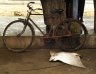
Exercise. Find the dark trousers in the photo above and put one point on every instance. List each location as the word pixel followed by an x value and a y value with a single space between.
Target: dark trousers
pixel 81 5
pixel 69 4
pixel 80 8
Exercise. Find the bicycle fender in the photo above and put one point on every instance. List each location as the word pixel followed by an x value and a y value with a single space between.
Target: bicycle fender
pixel 21 19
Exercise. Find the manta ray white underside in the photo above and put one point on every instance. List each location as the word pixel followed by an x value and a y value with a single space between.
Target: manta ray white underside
pixel 66 57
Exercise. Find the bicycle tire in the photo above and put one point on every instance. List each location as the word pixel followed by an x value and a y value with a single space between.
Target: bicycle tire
pixel 70 42
pixel 17 43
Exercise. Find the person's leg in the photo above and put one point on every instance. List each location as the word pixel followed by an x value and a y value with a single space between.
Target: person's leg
pixel 81 9
pixel 75 9
pixel 48 28
pixel 69 8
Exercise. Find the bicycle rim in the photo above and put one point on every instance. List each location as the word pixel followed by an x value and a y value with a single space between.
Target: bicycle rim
pixel 17 43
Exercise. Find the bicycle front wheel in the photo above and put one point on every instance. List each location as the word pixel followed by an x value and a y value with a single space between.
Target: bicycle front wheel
pixel 72 34
pixel 16 38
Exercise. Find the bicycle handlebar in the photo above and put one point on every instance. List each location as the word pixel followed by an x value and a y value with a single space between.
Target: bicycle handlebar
pixel 29 5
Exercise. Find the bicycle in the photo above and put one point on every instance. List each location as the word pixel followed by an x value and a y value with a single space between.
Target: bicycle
pixel 59 33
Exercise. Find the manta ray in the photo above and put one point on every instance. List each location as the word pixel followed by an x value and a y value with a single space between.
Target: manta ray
pixel 68 58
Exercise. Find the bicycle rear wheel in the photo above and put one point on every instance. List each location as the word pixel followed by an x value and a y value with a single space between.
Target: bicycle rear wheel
pixel 15 42
pixel 72 35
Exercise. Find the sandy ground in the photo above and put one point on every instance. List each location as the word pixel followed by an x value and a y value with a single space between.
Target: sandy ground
pixel 35 61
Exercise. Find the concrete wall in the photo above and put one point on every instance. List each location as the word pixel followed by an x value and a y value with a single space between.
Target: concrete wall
pixel 39 43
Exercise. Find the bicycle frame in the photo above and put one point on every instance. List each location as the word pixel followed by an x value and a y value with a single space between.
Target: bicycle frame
pixel 27 21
